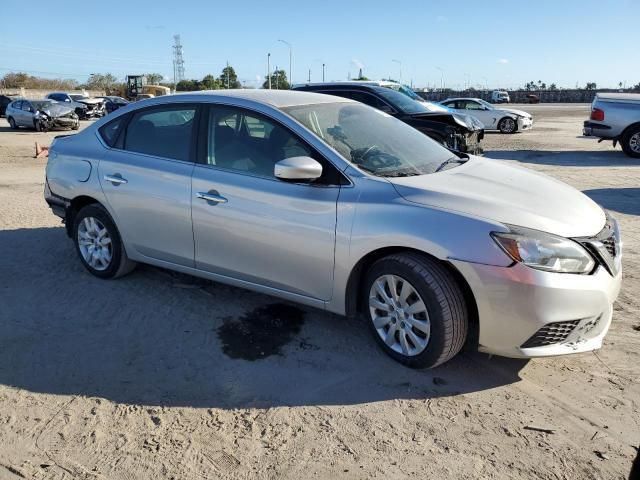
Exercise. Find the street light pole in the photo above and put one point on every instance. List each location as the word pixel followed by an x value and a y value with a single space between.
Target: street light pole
pixel 290 60
pixel 323 73
pixel 400 65
pixel 269 69
pixel 441 78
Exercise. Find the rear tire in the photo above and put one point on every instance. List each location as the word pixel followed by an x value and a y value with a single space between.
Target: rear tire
pixel 12 123
pixel 630 142
pixel 430 338
pixel 98 243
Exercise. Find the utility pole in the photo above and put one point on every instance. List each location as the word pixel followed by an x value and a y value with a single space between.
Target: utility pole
pixel 290 60
pixel 309 79
pixel 277 78
pixel 323 73
pixel 178 60
pixel 269 69
pixel 227 74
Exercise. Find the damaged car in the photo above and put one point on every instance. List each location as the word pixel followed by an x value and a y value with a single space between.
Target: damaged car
pixel 461 133
pixel 41 115
pixel 85 107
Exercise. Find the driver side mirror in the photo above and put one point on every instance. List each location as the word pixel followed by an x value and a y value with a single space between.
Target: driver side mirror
pixel 298 168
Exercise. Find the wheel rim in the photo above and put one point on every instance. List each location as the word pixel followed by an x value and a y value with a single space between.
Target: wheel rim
pixel 634 142
pixel 95 243
pixel 399 315
pixel 508 125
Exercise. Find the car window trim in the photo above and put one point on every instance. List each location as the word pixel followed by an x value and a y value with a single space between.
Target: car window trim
pixel 335 92
pixel 203 146
pixel 120 139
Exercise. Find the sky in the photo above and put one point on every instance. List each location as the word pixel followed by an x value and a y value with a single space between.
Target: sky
pixel 429 43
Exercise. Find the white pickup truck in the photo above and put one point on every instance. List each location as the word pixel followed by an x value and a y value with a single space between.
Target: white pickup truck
pixel 616 116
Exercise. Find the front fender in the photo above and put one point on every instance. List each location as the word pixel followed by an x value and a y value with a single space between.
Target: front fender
pixel 372 216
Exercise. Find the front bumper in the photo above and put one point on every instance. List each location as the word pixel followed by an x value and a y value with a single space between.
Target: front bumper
pixel 467 142
pixel 524 123
pixel 515 303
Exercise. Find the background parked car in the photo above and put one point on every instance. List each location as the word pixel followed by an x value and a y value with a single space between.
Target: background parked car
pixel 41 115
pixel 85 107
pixel 507 120
pixel 6 100
pixel 531 98
pixel 458 132
pixel 112 103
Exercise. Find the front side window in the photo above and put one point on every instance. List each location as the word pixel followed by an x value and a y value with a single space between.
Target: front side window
pixel 250 143
pixel 471 105
pixel 372 140
pixel 162 132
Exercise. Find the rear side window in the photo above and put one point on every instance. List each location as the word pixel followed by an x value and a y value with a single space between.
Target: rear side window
pixel 16 105
pixel 111 130
pixel 162 132
pixel 26 106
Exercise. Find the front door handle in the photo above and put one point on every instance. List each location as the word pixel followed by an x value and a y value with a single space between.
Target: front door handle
pixel 211 196
pixel 115 179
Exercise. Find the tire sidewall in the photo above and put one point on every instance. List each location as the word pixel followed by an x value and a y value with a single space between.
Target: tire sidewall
pixel 12 123
pixel 626 140
pixel 101 214
pixel 436 344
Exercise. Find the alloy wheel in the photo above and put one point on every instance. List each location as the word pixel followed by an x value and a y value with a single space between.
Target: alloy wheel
pixel 95 243
pixel 634 142
pixel 508 125
pixel 399 315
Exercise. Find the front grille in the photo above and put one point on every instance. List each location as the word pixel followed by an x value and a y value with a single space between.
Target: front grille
pixel 550 334
pixel 605 246
pixel 610 245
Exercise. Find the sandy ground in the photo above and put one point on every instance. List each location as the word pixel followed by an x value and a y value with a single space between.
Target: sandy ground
pixel 161 376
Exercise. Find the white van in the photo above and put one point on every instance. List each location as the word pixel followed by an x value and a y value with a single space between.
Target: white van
pixel 500 96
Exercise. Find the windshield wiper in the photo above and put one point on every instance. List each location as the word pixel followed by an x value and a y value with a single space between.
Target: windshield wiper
pixel 450 161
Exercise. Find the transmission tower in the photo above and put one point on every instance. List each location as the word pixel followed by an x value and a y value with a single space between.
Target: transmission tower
pixel 178 61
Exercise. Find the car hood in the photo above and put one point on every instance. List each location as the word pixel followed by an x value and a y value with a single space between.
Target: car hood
pixel 508 194
pixel 56 110
pixel 522 113
pixel 90 101
pixel 453 119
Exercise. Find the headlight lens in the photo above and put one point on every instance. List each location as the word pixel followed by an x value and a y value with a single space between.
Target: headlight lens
pixel 544 251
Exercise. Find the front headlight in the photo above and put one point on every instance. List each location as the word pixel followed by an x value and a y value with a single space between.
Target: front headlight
pixel 544 251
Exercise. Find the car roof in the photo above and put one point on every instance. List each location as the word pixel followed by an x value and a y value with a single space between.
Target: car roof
pixel 276 98
pixel 460 98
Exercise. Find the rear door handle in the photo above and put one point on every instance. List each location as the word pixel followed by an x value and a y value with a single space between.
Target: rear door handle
pixel 211 196
pixel 115 179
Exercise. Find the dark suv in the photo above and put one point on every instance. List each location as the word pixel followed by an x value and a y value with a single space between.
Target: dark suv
pixel 457 132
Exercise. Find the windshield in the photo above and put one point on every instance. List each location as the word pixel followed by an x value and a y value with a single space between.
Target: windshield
pixel 372 140
pixel 401 102
pixel 434 107
pixel 406 90
pixel 486 104
pixel 40 104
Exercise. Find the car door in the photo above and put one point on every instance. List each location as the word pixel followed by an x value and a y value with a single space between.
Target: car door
pixel 258 228
pixel 26 114
pixel 476 109
pixel 146 178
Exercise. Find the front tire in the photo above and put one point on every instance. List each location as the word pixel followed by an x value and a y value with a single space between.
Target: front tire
pixel 98 243
pixel 630 142
pixel 507 125
pixel 12 123
pixel 415 309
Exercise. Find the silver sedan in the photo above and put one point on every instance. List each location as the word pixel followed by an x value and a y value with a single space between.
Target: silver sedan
pixel 333 204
